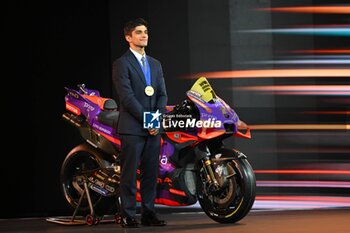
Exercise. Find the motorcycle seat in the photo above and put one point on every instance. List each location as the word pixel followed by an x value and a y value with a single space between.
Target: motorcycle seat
pixel 109 118
pixel 103 103
pixel 110 104
pixel 109 114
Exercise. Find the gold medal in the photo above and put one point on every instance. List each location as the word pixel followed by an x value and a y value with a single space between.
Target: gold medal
pixel 149 90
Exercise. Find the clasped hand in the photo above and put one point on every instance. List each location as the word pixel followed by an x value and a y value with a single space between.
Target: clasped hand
pixel 153 131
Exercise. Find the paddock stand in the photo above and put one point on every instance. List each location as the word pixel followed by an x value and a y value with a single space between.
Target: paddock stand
pixel 90 219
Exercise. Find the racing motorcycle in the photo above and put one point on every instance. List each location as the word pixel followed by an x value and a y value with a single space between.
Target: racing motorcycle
pixel 194 163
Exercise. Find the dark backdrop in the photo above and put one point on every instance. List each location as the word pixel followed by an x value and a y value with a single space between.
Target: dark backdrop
pixel 59 44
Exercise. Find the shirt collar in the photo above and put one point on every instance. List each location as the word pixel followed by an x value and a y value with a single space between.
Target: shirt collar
pixel 137 55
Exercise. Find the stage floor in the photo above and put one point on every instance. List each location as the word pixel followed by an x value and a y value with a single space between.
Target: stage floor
pixel 335 220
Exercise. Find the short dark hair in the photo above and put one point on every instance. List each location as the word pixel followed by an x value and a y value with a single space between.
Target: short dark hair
pixel 132 24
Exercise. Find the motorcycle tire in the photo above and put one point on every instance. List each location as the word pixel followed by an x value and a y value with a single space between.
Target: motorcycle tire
pixel 235 200
pixel 83 158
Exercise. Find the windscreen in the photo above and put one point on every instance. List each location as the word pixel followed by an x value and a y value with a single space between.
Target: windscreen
pixel 202 90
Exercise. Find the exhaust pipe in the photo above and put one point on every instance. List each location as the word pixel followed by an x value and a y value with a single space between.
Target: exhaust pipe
pixel 73 119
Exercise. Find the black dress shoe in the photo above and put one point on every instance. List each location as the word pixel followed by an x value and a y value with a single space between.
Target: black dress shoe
pixel 128 222
pixel 152 220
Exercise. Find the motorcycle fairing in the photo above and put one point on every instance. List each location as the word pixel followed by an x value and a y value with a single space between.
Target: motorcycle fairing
pixel 181 137
pixel 171 190
pixel 212 107
pixel 91 105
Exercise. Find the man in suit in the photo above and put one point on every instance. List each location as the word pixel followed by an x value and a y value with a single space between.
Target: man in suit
pixel 140 87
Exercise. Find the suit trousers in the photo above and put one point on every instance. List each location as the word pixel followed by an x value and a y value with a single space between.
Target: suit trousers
pixel 138 152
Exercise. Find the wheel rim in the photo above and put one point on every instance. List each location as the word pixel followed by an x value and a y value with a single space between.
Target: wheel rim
pixel 225 196
pixel 226 201
pixel 72 177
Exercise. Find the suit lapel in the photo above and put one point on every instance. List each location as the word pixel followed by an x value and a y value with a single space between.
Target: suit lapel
pixel 133 61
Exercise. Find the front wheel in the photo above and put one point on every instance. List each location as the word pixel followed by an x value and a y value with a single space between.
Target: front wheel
pixel 234 196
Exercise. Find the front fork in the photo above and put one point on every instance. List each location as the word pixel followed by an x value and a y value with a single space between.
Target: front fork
pixel 203 155
pixel 208 169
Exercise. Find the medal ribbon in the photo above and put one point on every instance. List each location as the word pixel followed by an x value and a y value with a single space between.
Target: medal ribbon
pixel 146 71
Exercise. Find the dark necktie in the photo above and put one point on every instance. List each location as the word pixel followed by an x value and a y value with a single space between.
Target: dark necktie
pixel 143 61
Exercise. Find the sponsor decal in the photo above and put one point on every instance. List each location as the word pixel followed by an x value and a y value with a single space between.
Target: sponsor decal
pixel 89 107
pixel 110 188
pixel 164 159
pixel 100 177
pixel 73 94
pixel 96 126
pixel 72 108
pixel 98 189
pixel 99 183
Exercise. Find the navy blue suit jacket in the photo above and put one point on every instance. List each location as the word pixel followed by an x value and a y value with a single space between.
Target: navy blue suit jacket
pixel 130 83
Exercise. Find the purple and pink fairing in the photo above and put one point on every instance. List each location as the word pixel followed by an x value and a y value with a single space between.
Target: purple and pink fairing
pixel 88 103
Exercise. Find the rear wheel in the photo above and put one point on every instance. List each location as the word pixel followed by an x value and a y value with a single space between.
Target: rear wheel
pixel 233 198
pixel 84 158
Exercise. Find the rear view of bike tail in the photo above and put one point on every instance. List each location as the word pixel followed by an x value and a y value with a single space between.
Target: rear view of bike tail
pixel 90 172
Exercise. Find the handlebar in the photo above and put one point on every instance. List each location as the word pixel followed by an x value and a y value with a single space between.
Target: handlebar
pixel 82 88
